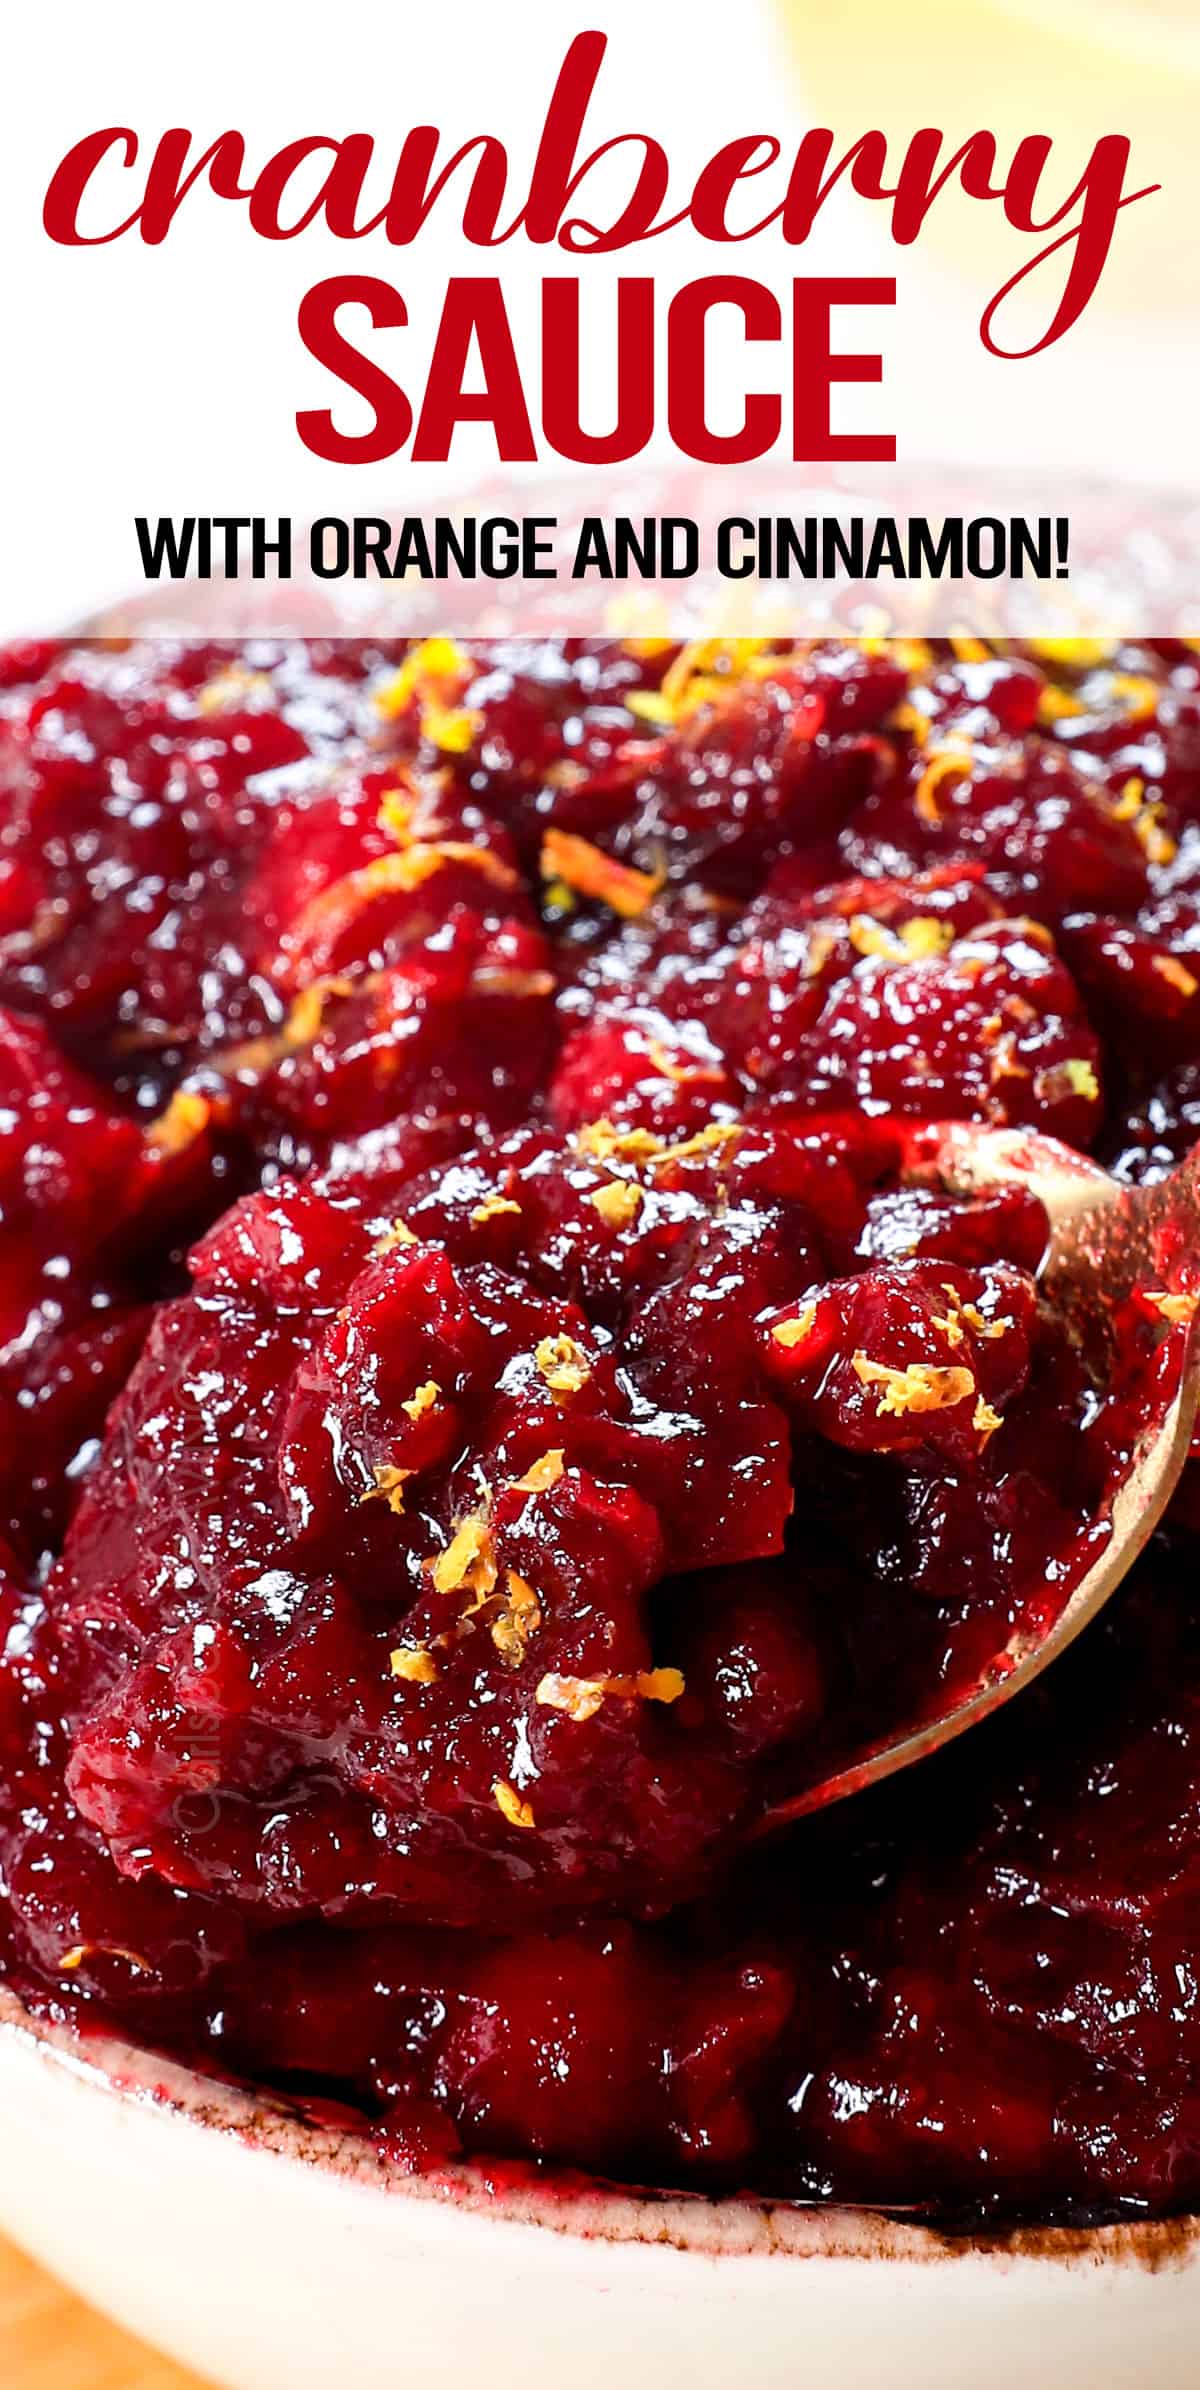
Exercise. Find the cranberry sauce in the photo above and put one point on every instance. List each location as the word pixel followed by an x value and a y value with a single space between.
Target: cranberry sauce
pixel 496 1393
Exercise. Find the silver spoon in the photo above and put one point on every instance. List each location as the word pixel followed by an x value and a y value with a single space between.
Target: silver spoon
pixel 1105 1241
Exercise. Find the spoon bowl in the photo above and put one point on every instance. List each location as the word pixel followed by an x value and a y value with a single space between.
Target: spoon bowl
pixel 1107 1243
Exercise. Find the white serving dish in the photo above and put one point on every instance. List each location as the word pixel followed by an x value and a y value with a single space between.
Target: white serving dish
pixel 271 2255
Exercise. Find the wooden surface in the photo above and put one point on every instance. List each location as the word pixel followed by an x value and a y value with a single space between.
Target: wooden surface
pixel 49 2341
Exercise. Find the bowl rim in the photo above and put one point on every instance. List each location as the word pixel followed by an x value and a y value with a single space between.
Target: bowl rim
pixel 566 2205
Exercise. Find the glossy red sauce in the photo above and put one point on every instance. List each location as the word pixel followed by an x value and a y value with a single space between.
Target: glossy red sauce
pixel 493 1394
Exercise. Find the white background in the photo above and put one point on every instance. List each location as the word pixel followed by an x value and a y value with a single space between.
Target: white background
pixel 167 380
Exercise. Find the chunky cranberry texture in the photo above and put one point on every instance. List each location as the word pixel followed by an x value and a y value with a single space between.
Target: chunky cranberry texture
pixel 495 1392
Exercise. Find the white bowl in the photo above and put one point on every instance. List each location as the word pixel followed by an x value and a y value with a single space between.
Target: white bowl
pixel 272 2255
